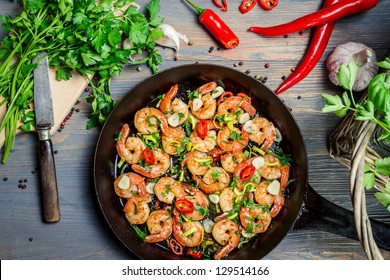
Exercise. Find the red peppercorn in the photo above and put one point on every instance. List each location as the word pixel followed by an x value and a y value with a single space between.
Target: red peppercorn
pixel 67 117
pixel 266 65
pixel 63 124
pixel 87 89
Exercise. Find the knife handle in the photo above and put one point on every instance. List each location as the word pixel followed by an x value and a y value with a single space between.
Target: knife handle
pixel 49 192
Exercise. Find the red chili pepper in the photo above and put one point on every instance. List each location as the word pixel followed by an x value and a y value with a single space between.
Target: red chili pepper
pixel 325 15
pixel 184 206
pixel 224 95
pixel 202 128
pixel 148 156
pixel 268 4
pixel 214 24
pixel 247 172
pixel 175 246
pixel 222 5
pixel 194 254
pixel 247 5
pixel 317 46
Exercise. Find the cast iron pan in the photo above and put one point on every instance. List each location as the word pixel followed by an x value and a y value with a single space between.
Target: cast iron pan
pixel 303 209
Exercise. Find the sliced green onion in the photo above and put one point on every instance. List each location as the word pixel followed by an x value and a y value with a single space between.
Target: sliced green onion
pixel 249 187
pixel 189 232
pixel 238 192
pixel 181 177
pixel 260 151
pixel 170 142
pixel 231 217
pixel 229 117
pixel 121 162
pixel 149 138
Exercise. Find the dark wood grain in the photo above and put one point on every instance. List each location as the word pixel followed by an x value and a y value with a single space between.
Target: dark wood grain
pixel 83 233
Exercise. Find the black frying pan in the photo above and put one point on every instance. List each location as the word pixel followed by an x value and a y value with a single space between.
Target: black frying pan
pixel 303 209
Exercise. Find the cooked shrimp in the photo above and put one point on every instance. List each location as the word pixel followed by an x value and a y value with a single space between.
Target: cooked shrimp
pixel 227 234
pixel 154 170
pixel 172 139
pixel 255 220
pixel 170 105
pixel 229 161
pixel 277 206
pixel 130 185
pixel 262 132
pixel 271 169
pixel 226 200
pixel 285 173
pixel 167 188
pixel 233 104
pixel 208 108
pixel 136 210
pixel 194 162
pixel 199 199
pixel 206 88
pixel 159 225
pixel 206 144
pixel 149 120
pixel 188 234
pixel 232 140
pixel 215 179
pixel 129 148
pixel 262 196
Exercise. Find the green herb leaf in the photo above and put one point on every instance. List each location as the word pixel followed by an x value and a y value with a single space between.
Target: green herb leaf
pixel 382 166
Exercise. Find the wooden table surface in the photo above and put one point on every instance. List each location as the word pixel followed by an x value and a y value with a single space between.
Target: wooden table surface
pixel 83 233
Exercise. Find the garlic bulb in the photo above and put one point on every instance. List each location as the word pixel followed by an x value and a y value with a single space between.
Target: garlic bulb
pixel 364 57
pixel 171 38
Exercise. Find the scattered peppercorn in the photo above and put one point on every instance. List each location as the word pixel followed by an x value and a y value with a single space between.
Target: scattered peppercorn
pixel 190 42
pixel 283 77
pixel 30 239
pixel 87 89
pixel 25 180
pixel 59 130
pixel 300 33
pixel 247 71
pixel 266 65
pixel 77 110
pixel 20 181
pixel 73 108
pixel 219 48
pixel 62 124
pixel 299 97
pixel 55 152
pixel 235 64
pixel 32 171
pixel 139 68
pixel 5 179
pixel 285 36
pixel 67 117
pixel 292 69
pixel 175 58
pixel 241 63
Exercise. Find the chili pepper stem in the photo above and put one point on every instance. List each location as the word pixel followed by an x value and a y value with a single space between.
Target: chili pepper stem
pixel 193 5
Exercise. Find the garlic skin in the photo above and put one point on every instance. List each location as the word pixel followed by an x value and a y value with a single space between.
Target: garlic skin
pixel 171 38
pixel 365 58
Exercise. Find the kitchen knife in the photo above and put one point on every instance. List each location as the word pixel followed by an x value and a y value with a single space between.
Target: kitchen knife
pixel 44 120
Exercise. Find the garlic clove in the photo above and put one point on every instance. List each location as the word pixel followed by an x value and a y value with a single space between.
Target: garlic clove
pixel 249 126
pixel 217 92
pixel 274 187
pixel 124 183
pixel 174 120
pixel 197 103
pixel 244 118
pixel 171 38
pixel 258 162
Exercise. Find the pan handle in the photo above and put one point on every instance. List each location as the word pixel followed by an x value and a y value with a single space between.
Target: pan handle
pixel 321 214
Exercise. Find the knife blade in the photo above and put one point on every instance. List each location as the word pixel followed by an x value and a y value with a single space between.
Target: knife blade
pixel 44 120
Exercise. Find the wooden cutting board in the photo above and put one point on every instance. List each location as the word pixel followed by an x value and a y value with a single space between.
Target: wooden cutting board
pixel 65 95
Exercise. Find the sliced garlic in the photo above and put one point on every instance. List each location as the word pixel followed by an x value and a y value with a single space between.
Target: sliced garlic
pixel 244 118
pixel 197 103
pixel 217 92
pixel 124 183
pixel 150 187
pixel 258 162
pixel 274 187
pixel 214 198
pixel 174 120
pixel 249 126
pixel 208 225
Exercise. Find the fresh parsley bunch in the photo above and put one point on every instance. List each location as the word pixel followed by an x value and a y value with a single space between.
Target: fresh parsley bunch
pixel 375 108
pixel 79 36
